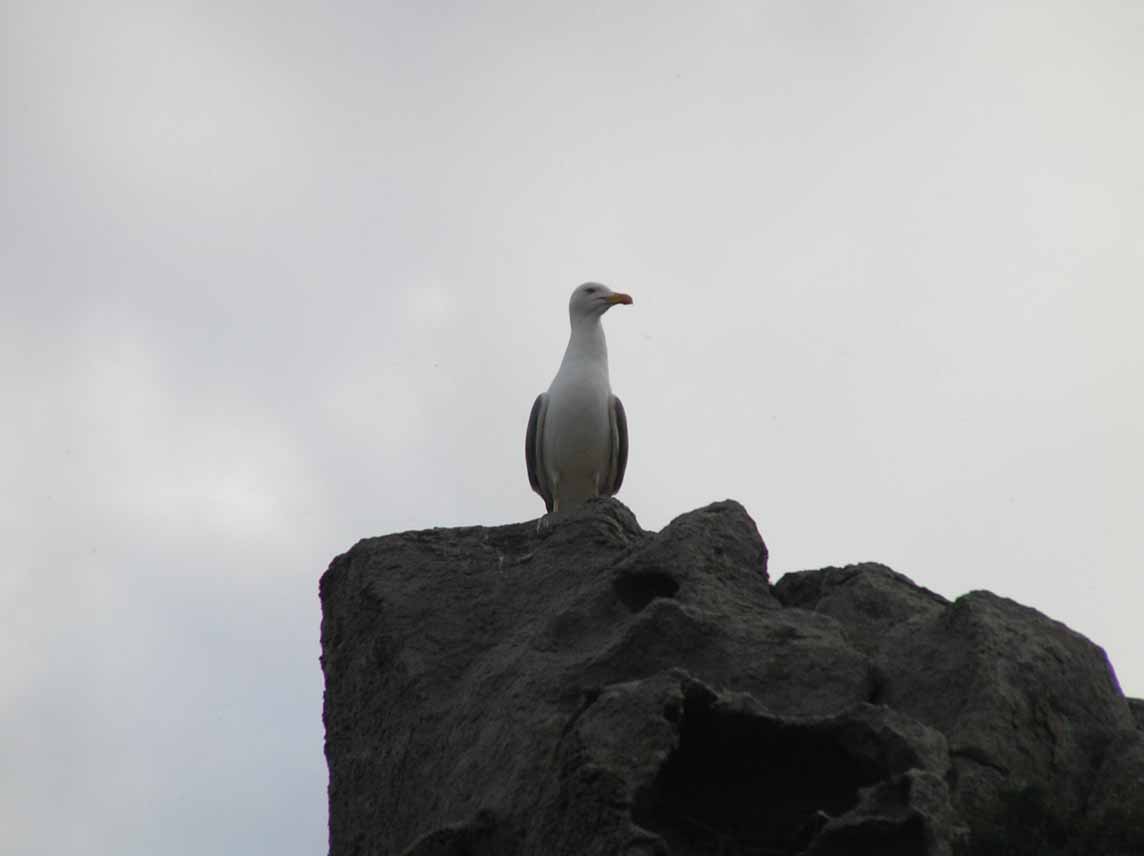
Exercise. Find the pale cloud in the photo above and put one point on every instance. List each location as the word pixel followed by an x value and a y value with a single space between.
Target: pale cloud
pixel 275 282
pixel 429 305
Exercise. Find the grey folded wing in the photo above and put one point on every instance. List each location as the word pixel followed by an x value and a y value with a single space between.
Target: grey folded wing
pixel 618 459
pixel 534 450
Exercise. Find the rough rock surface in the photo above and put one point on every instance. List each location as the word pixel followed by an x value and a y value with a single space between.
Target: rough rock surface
pixel 1136 705
pixel 592 688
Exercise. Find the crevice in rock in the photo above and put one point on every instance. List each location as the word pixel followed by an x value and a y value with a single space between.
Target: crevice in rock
pixel 978 756
pixel 636 591
pixel 877 682
pixel 883 837
pixel 586 698
pixel 741 783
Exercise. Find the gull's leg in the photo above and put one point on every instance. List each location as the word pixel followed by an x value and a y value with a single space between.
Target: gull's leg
pixel 542 522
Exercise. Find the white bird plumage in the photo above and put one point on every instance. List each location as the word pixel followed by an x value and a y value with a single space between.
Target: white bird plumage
pixel 576 446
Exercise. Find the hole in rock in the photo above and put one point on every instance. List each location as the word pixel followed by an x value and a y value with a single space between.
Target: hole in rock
pixel 884 838
pixel 638 590
pixel 742 785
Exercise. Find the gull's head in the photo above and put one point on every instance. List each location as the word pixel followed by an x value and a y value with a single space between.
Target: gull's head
pixel 591 300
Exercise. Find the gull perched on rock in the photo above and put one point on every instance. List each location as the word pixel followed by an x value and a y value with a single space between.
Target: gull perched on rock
pixel 576 446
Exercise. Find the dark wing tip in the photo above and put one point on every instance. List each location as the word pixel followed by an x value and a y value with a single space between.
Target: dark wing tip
pixel 620 420
pixel 532 452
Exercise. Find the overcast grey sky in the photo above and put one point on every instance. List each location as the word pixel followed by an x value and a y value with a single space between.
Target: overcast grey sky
pixel 280 276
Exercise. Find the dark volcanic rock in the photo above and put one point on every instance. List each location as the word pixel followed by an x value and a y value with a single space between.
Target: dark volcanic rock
pixel 1136 705
pixel 591 688
pixel 1026 704
pixel 1114 815
pixel 868 599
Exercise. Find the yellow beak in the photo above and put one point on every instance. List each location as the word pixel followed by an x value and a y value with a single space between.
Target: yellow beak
pixel 619 298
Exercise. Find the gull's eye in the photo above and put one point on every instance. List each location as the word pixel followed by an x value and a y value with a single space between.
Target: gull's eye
pixel 590 290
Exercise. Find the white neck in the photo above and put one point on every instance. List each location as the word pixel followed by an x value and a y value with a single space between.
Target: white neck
pixel 586 345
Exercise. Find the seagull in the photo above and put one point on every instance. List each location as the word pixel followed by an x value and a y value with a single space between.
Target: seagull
pixel 576 446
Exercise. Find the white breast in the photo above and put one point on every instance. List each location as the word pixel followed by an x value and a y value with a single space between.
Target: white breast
pixel 577 432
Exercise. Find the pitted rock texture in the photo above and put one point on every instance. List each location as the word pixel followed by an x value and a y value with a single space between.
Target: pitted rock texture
pixel 587 687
